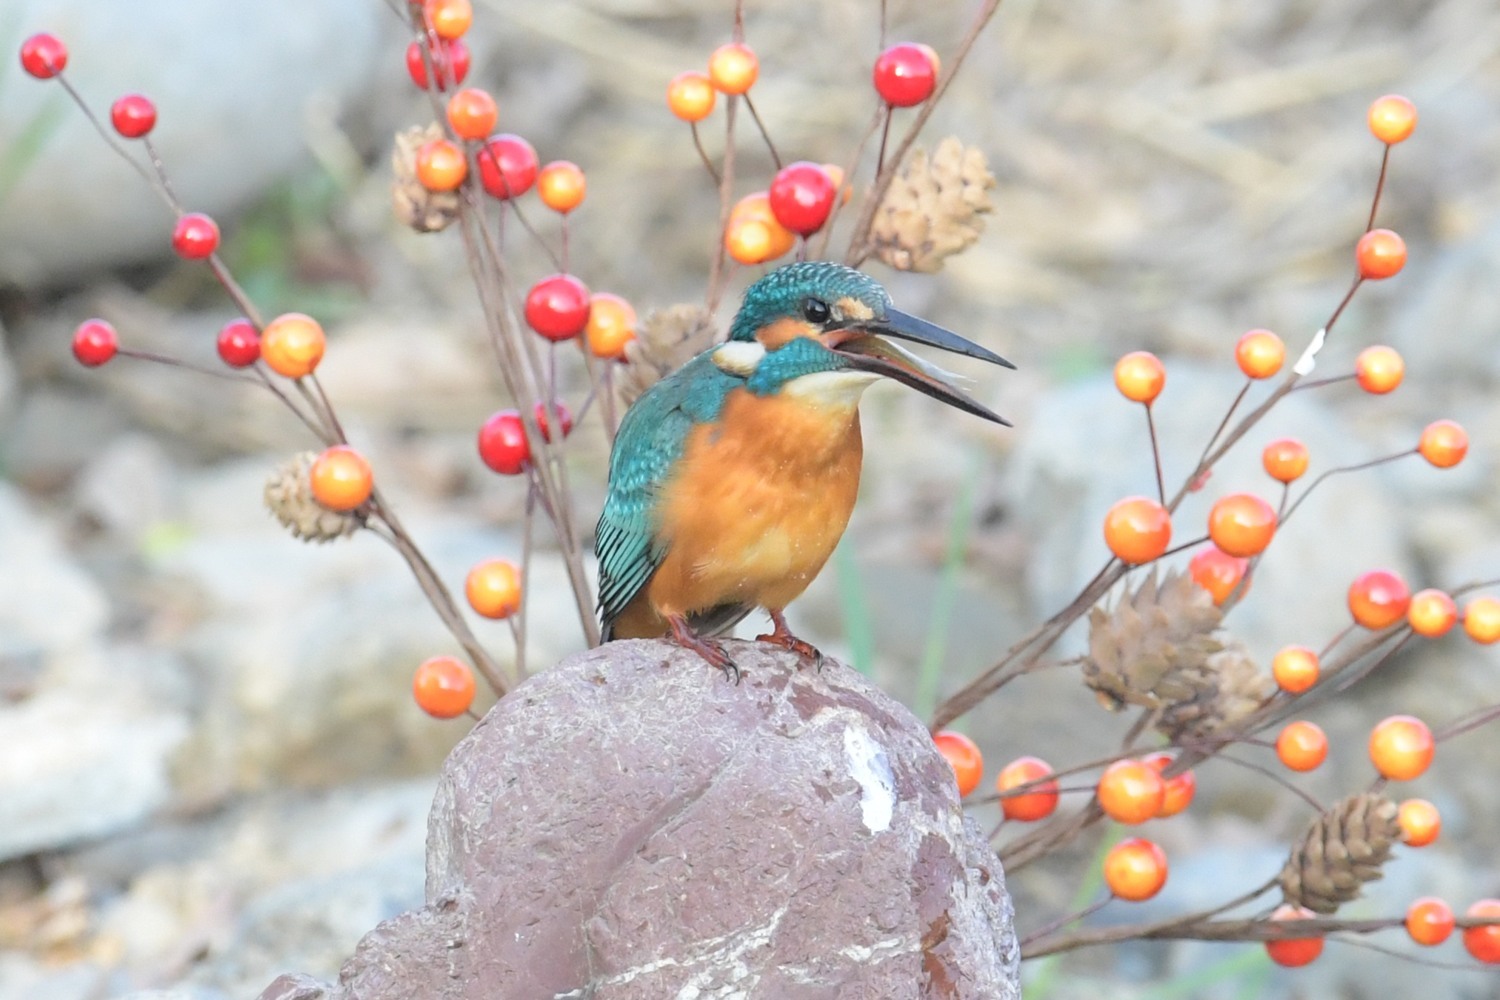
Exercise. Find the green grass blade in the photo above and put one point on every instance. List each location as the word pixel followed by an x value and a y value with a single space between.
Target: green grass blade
pixel 18 157
pixel 858 622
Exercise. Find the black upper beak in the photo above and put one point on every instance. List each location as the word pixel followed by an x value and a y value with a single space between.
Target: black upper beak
pixel 908 327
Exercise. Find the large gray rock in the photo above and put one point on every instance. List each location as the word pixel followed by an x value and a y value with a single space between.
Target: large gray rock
pixel 631 825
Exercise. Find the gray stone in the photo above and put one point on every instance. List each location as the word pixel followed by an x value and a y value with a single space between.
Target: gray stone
pixel 129 488
pixel 236 98
pixel 629 824
pixel 46 600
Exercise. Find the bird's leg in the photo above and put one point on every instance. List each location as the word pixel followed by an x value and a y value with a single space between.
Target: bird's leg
pixel 710 649
pixel 782 636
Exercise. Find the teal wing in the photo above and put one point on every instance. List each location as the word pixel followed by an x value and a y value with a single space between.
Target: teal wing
pixel 650 441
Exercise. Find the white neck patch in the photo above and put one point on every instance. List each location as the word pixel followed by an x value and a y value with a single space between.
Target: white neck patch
pixel 739 357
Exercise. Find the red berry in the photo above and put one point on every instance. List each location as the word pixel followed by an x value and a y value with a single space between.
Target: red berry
pixel 43 56
pixel 450 59
pixel 502 443
pixel 239 343
pixel 443 687
pixel 557 307
pixel 963 756
pixel 905 74
pixel 801 196
pixel 1483 940
pixel 1294 952
pixel 195 236
pixel 1027 807
pixel 507 166
pixel 565 415
pixel 95 342
pixel 133 116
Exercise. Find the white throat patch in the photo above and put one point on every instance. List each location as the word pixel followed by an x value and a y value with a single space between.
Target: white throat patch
pixel 739 357
pixel 837 390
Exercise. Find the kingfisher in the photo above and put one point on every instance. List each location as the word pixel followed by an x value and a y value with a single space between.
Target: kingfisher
pixel 732 479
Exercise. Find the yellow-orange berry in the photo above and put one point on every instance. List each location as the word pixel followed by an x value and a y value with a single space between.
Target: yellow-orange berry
pixel 1242 524
pixel 1420 822
pixel 1483 941
pixel 449 18
pixel 441 165
pixel 1140 376
pixel 493 588
pixel 1260 353
pixel 1429 920
pixel 1295 669
pixel 292 345
pixel 1444 443
pixel 1294 952
pixel 611 326
pixel 1380 253
pixel 1131 791
pixel 1431 613
pixel 691 96
pixel 1137 530
pixel 963 756
pixel 753 235
pixel 1392 118
pixel 1135 869
pixel 1482 620
pixel 472 112
pixel 443 687
pixel 733 67
pixel 1379 369
pixel 561 186
pixel 1401 747
pixel 1301 745
pixel 1378 599
pixel 1180 787
pixel 1285 459
pixel 341 478
pixel 1029 806
pixel 1218 572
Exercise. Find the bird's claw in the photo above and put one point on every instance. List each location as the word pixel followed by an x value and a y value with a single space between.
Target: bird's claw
pixel 711 650
pixel 805 650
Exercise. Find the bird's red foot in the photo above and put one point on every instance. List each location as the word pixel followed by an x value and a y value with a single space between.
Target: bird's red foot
pixel 710 649
pixel 782 636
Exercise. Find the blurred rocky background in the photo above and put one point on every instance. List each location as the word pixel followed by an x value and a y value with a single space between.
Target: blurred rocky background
pixel 210 767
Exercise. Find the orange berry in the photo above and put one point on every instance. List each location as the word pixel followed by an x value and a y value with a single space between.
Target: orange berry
pixel 1131 791
pixel 1380 253
pixel 1295 669
pixel 341 478
pixel 493 588
pixel 1483 942
pixel 1242 524
pixel 1378 599
pixel 1420 822
pixel 1301 745
pixel 1027 807
pixel 1180 787
pixel 1218 572
pixel 1431 613
pixel 754 236
pixel 836 174
pixel 449 18
pixel 1260 353
pixel 472 113
pixel 1392 118
pixel 1137 530
pixel 611 326
pixel 1293 952
pixel 1379 369
pixel 1444 443
pixel 1482 620
pixel 441 165
pixel 1135 869
pixel 1429 920
pixel 292 344
pixel 1140 376
pixel 1401 747
pixel 733 67
pixel 1285 459
pixel 691 96
pixel 561 186
pixel 443 687
pixel 963 756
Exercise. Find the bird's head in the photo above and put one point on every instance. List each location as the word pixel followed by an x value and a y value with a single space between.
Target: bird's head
pixel 827 325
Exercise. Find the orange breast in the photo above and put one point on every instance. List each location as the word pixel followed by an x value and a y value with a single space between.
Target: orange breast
pixel 757 504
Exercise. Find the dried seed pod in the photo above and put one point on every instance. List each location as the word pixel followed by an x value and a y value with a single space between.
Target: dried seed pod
pixel 1207 697
pixel 1341 851
pixel 932 209
pixel 423 210
pixel 289 496
pixel 664 342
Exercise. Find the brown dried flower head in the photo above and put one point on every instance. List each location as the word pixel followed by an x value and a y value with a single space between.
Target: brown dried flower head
pixel 1341 851
pixel 289 496
pixel 668 339
pixel 423 210
pixel 933 208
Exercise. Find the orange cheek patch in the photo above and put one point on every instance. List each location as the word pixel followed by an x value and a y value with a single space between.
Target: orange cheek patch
pixel 783 331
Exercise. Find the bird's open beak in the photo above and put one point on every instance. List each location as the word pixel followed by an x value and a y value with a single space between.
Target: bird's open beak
pixel 867 349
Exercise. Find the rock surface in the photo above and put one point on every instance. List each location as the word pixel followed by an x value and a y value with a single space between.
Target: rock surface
pixel 630 825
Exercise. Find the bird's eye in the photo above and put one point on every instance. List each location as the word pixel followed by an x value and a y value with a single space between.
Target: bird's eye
pixel 815 310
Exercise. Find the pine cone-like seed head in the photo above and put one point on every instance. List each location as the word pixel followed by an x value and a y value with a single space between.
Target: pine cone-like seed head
pixel 668 339
pixel 423 210
pixel 289 496
pixel 1342 850
pixel 932 209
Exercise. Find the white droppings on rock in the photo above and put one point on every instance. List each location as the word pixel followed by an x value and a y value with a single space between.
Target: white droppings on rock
pixel 869 766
